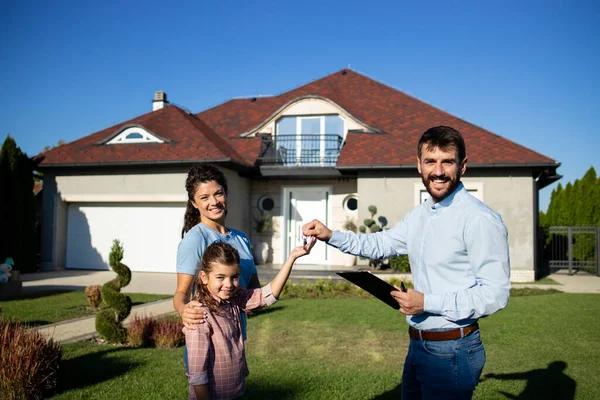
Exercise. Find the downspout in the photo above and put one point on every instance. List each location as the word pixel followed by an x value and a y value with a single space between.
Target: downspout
pixel 536 220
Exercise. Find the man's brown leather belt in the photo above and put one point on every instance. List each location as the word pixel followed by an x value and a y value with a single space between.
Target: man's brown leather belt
pixel 442 335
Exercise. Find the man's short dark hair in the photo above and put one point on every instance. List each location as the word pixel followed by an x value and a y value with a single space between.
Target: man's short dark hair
pixel 443 137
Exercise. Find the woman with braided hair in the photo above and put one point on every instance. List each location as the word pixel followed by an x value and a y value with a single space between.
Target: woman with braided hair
pixel 204 224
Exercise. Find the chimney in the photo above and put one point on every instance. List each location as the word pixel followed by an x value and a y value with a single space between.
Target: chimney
pixel 160 100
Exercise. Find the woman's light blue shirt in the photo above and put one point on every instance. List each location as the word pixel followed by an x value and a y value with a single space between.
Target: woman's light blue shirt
pixel 197 239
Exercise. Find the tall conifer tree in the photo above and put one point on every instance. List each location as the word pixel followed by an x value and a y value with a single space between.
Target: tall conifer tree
pixel 17 207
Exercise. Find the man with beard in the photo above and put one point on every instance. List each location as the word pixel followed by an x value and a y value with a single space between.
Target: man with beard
pixel 458 252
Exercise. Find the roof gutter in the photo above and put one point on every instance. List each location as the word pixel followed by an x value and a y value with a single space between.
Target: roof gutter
pixel 545 177
pixel 490 165
pixel 144 163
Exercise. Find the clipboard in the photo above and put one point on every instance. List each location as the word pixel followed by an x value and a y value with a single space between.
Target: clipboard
pixel 372 284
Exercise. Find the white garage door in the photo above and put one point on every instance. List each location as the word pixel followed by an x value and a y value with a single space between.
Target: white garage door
pixel 150 233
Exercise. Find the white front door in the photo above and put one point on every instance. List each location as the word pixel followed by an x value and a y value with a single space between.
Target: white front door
pixel 303 205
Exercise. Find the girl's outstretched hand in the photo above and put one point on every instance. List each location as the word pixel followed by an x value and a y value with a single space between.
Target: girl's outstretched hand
pixel 305 249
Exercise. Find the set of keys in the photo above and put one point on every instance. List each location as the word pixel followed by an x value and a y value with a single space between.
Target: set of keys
pixel 308 241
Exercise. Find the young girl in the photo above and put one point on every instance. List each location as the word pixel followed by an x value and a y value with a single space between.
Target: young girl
pixel 216 360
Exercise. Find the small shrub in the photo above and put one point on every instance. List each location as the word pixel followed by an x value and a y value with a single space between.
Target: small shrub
pixel 265 223
pixel 396 282
pixel 28 362
pixel 370 224
pixel 322 289
pixel 167 333
pixel 329 289
pixel 350 225
pixel 400 263
pixel 94 296
pixel 140 331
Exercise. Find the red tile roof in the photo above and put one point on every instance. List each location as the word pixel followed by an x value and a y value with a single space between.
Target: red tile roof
pixel 402 118
pixel 214 134
pixel 189 139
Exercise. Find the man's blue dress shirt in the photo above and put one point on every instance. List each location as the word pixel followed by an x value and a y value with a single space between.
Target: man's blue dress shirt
pixel 458 252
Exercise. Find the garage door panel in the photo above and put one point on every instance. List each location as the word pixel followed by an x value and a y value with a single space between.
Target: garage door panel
pixel 81 251
pixel 150 233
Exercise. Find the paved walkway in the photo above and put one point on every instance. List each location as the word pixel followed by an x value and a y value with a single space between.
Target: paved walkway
pixel 85 328
pixel 165 283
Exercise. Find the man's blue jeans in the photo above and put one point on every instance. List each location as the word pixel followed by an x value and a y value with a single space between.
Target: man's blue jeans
pixel 448 369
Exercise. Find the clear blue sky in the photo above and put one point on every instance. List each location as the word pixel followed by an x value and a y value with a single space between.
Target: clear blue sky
pixel 526 70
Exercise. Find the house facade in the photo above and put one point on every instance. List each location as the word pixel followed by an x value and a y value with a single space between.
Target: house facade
pixel 326 150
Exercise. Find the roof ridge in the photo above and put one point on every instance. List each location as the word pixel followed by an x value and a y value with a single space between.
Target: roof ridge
pixel 268 96
pixel 312 81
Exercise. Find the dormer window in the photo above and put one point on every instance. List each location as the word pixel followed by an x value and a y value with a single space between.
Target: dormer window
pixel 309 139
pixel 135 134
pixel 307 131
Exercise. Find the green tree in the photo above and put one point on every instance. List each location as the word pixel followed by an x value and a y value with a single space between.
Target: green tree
pixel 109 321
pixel 578 204
pixel 595 196
pixel 38 176
pixel 17 207
pixel 543 219
pixel 565 206
pixel 588 205
pixel 48 148
pixel 551 215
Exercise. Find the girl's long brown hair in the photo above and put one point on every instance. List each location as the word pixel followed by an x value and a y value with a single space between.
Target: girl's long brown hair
pixel 219 252
pixel 200 173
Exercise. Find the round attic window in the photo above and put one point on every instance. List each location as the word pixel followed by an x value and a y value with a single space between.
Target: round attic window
pixel 265 203
pixel 351 203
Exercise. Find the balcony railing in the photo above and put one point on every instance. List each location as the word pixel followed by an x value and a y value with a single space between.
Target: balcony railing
pixel 301 150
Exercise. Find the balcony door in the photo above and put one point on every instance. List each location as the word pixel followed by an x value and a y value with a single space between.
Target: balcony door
pixel 309 140
pixel 303 204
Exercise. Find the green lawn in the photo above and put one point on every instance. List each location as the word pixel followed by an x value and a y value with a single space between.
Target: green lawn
pixel 49 307
pixel 355 348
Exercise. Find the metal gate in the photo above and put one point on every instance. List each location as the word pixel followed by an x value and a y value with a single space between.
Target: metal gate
pixel 576 248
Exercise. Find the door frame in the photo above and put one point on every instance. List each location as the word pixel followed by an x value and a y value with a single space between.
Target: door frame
pixel 285 190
